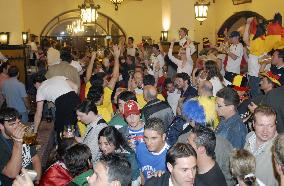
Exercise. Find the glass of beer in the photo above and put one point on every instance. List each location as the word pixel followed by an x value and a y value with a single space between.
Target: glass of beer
pixel 69 131
pixel 29 136
pixel 264 59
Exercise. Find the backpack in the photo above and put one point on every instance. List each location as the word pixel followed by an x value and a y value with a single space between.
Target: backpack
pixel 175 129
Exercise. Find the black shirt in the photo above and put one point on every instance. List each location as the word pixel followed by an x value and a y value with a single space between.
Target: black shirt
pixel 278 71
pixel 189 93
pixel 6 147
pixel 214 177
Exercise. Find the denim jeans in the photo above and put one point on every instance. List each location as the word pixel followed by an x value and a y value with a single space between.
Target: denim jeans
pixel 253 83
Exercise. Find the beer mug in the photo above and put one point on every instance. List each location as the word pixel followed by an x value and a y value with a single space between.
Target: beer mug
pixel 29 135
pixel 264 59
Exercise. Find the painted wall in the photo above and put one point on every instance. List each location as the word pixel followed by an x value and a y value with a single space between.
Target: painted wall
pixel 137 18
pixel 11 19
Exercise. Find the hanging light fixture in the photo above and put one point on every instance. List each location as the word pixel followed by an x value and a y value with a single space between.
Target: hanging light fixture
pixel 116 3
pixel 78 26
pixel 69 29
pixel 201 9
pixel 89 12
pixel 75 27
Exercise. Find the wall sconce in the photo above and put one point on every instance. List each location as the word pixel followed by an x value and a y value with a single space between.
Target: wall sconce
pixel 164 35
pixel 201 9
pixel 25 37
pixel 4 38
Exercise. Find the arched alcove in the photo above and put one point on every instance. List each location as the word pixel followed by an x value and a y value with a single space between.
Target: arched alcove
pixel 97 34
pixel 238 20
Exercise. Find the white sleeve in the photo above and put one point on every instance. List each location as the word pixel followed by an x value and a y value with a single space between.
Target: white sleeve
pixel 40 95
pixel 161 60
pixel 190 50
pixel 172 58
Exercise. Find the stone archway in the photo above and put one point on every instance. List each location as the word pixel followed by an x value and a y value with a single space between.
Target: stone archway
pixel 238 20
pixel 93 36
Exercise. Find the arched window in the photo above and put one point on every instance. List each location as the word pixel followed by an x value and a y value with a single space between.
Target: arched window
pixel 95 35
pixel 237 21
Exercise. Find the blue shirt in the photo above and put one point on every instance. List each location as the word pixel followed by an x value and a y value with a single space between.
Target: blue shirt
pixel 136 136
pixel 234 130
pixel 150 162
pixel 14 91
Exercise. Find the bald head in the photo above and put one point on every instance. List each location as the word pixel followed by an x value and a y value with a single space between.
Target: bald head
pixel 150 93
pixel 205 88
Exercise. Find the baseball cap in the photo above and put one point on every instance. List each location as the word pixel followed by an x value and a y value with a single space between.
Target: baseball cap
pixel 235 34
pixel 130 107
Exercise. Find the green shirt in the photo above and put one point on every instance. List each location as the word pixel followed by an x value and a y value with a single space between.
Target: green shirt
pixel 117 121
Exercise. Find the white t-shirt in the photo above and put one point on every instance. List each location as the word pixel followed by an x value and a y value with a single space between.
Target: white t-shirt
pixel 77 65
pixel 173 100
pixel 158 61
pixel 187 68
pixel 53 56
pixel 131 51
pixel 217 85
pixel 253 65
pixel 53 88
pixel 234 65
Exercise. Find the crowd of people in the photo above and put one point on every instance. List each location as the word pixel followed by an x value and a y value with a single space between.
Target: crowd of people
pixel 144 116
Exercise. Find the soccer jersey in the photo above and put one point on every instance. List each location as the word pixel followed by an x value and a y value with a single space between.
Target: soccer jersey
pixel 150 162
pixel 136 136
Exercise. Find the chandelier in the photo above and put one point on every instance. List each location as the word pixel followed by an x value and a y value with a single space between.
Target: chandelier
pixel 201 9
pixel 116 3
pixel 75 27
pixel 89 12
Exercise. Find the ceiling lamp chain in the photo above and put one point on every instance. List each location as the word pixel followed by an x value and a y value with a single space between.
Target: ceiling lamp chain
pixel 116 3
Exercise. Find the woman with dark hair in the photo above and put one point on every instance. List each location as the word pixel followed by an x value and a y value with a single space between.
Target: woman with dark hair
pixel 213 75
pixel 87 113
pixel 112 141
pixel 57 173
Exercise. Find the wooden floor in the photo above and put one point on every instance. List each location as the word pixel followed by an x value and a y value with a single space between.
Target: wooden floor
pixel 45 140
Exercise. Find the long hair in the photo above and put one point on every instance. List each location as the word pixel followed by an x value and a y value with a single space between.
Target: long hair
pixel 115 137
pixel 212 70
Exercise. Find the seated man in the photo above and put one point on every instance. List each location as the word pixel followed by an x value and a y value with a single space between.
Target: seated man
pixel 15 155
pixel 260 141
pixel 111 170
pixel 151 154
pixel 203 140
pixel 181 163
pixel 231 126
